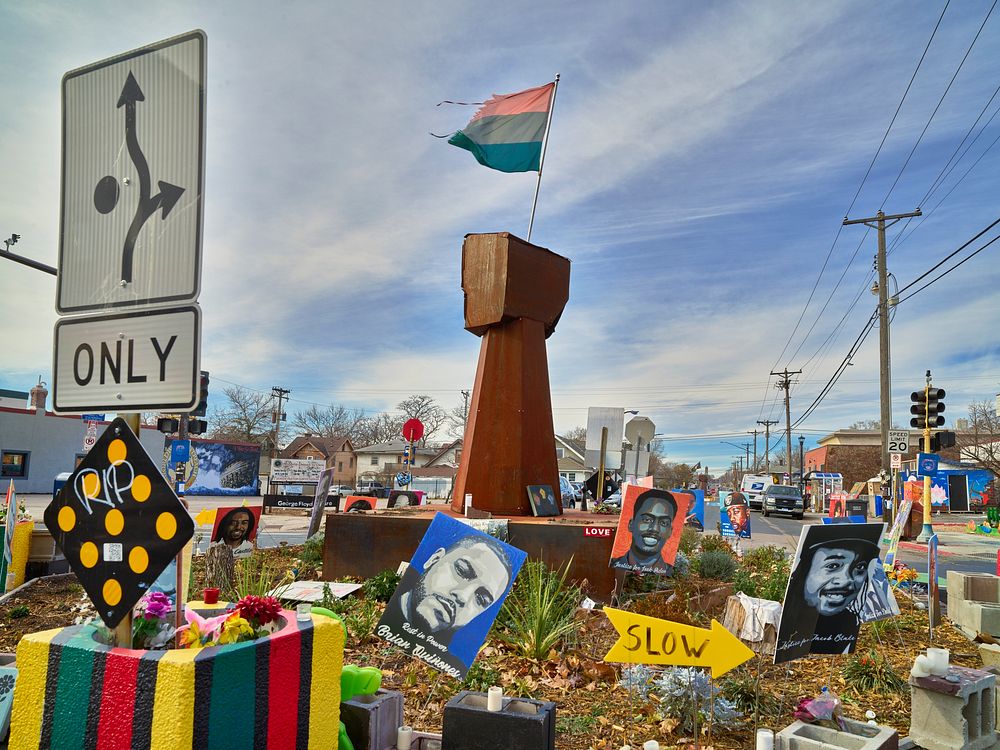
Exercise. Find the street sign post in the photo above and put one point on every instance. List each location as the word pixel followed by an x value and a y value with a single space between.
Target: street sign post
pixel 927 464
pixel 132 178
pixel 899 441
pixel 147 360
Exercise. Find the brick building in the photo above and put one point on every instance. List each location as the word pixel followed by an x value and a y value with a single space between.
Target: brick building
pixel 336 452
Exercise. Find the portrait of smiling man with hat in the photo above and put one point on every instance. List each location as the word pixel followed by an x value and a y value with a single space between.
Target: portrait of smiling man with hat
pixel 827 588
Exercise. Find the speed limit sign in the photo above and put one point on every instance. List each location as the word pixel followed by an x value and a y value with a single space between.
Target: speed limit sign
pixel 899 441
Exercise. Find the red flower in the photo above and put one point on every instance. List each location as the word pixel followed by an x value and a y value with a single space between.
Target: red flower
pixel 259 610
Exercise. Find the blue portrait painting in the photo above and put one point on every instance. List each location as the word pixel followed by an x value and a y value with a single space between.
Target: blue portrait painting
pixel 450 594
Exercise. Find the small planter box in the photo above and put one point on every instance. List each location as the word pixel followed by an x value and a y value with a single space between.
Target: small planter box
pixel 278 692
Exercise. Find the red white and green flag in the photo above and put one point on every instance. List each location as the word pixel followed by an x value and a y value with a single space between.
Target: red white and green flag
pixel 507 132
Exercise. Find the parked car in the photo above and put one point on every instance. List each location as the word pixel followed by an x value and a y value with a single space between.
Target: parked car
pixel 782 498
pixel 372 489
pixel 567 493
pixel 615 499
pixel 343 490
pixel 578 490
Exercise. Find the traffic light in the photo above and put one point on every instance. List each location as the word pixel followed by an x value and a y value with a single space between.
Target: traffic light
pixel 168 425
pixel 197 426
pixel 935 407
pixel 927 406
pixel 942 440
pixel 202 408
pixel 919 408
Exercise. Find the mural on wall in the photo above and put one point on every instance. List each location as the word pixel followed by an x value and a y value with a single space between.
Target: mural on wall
pixel 218 468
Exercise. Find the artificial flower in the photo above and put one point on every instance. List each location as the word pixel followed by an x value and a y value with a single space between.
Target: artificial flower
pixel 235 629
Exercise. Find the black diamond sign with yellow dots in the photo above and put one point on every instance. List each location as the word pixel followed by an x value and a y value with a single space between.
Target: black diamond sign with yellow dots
pixel 118 522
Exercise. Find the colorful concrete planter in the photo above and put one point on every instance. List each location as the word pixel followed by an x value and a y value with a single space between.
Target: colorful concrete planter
pixel 278 692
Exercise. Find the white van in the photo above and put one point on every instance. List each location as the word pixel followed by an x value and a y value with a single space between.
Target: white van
pixel 752 487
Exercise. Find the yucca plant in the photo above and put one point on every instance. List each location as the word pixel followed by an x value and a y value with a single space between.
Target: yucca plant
pixel 538 613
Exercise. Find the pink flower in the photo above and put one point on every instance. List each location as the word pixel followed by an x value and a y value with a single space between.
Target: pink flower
pixel 158 605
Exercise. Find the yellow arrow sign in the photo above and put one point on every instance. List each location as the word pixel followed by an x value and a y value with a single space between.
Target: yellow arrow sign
pixel 648 640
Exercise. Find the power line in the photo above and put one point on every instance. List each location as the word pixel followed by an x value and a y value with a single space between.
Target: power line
pixel 951 255
pixel 854 200
pixel 938 105
pixel 945 273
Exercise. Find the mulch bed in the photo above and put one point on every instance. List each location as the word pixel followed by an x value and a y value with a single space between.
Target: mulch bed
pixel 593 712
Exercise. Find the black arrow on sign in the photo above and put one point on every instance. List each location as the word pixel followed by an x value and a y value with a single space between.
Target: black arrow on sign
pixel 169 194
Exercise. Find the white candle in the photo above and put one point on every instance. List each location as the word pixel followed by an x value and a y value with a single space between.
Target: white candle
pixel 404 736
pixel 494 699
pixel 765 740
pixel 939 660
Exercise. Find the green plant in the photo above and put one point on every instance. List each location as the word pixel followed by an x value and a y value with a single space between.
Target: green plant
pixel 481 677
pixel 539 612
pixel 716 543
pixel 763 573
pixel 312 550
pixel 381 587
pixel 689 541
pixel 751 697
pixel 257 576
pixel 872 672
pixel 21 610
pixel 716 564
pixel 575 724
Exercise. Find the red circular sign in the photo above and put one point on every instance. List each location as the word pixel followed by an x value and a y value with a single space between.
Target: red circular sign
pixel 413 430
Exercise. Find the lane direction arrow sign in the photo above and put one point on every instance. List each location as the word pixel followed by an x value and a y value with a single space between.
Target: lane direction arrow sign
pixel 648 640
pixel 131 218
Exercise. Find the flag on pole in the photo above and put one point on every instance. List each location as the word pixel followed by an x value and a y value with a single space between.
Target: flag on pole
pixel 8 534
pixel 506 134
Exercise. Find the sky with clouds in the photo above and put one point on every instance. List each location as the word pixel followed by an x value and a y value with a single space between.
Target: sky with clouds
pixel 701 160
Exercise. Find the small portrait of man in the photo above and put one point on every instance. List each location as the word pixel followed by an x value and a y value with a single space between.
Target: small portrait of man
pixel 735 519
pixel 647 537
pixel 542 499
pixel 358 503
pixel 450 594
pixel 237 527
pixel 828 590
pixel 403 499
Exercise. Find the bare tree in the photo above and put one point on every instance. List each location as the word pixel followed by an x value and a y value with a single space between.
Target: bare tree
pixel 244 417
pixel 866 424
pixel 334 420
pixel 457 418
pixel 379 428
pixel 578 437
pixel 981 442
pixel 427 411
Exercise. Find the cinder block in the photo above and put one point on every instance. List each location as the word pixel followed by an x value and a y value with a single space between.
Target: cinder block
pixel 949 715
pixel 520 723
pixel 973 587
pixel 372 720
pixel 859 736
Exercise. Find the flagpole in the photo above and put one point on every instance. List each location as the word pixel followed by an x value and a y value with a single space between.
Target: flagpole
pixel 541 161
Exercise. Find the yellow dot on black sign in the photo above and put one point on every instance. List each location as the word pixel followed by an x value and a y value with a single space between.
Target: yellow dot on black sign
pixel 118 538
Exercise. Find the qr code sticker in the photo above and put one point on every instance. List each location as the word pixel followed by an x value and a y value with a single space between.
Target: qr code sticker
pixel 112 552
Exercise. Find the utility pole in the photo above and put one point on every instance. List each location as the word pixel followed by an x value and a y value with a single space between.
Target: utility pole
pixel 754 433
pixel 465 412
pixel 885 380
pixel 279 393
pixel 785 382
pixel 767 442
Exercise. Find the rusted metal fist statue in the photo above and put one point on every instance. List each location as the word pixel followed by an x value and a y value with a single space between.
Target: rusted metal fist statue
pixel 514 295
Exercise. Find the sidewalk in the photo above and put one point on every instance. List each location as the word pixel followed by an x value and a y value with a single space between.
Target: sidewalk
pixel 953 540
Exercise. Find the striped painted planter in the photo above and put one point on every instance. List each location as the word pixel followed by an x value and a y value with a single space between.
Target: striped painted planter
pixel 278 692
